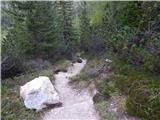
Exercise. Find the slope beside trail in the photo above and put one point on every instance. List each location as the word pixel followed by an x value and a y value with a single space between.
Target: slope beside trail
pixel 75 105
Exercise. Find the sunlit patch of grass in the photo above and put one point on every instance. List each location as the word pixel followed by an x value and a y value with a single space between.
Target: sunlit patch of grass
pixel 105 114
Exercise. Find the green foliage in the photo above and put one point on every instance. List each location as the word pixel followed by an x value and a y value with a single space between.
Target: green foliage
pixel 142 89
pixel 104 89
pixel 95 12
pixel 143 102
pixel 85 36
pixel 67 32
pixel 16 43
pixel 133 40
pixel 129 31
pixel 102 107
pixel 41 29
pixel 40 26
pixel 132 14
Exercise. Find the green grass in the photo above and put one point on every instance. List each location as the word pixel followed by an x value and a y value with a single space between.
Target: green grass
pixel 141 88
pixel 102 107
pixel 11 104
pixel 62 64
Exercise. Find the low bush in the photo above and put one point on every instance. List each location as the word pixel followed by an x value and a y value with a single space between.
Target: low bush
pixel 142 102
pixel 104 91
pixel 141 88
pixel 102 107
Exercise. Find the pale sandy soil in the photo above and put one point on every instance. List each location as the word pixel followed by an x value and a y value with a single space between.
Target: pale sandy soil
pixel 76 105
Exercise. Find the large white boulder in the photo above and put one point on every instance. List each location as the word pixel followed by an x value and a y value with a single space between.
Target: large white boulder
pixel 39 93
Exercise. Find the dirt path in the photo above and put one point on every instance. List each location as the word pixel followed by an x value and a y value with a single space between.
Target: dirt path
pixel 76 105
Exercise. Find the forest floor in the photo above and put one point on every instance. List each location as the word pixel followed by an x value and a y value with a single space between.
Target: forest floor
pixel 75 93
pixel 75 105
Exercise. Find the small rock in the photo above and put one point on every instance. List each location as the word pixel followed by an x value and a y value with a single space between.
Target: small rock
pixel 54 105
pixel 107 60
pixel 60 70
pixel 39 93
pixel 79 60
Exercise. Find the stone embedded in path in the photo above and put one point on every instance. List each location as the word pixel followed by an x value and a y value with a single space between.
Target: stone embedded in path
pixel 60 70
pixel 79 60
pixel 39 93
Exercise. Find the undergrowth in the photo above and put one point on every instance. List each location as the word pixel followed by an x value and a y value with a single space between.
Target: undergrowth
pixel 141 88
pixel 102 107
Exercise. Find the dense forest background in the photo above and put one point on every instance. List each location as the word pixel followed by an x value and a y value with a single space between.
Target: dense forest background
pixel 127 32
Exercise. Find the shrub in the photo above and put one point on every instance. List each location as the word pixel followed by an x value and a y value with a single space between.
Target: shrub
pixel 105 114
pixel 143 103
pixel 104 88
pixel 140 87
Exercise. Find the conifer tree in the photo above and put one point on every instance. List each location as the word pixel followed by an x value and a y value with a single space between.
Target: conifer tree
pixel 40 24
pixel 67 19
pixel 85 35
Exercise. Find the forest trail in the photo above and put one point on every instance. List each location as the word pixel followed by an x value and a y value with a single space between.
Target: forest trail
pixel 75 105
